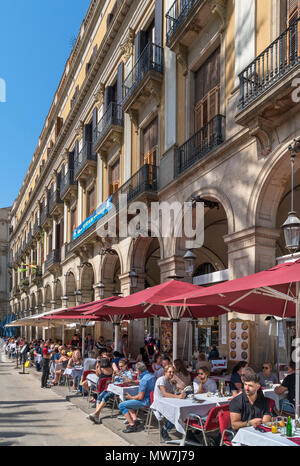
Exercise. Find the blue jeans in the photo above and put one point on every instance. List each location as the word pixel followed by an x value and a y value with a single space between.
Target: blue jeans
pixel 125 406
pixel 168 426
pixel 284 404
pixel 104 396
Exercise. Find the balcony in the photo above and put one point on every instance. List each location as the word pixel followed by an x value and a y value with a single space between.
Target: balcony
pixel 266 86
pixel 56 205
pixel 142 186
pixel 69 186
pixel 52 264
pixel 110 128
pixel 200 144
pixel 184 21
pixel 36 229
pixel 85 164
pixel 45 218
pixel 144 80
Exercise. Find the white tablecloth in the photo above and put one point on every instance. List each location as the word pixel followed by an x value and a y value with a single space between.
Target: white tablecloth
pixel 177 410
pixel 270 393
pixel 73 372
pixel 251 437
pixel 121 391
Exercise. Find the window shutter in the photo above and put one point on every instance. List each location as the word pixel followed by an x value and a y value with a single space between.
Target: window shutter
pixel 158 22
pixel 120 83
pixel 71 161
pixel 139 44
pixel 94 124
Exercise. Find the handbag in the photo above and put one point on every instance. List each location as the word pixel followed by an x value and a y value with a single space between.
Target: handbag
pixel 27 364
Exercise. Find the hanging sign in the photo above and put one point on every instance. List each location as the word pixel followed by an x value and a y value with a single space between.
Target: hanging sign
pixel 97 215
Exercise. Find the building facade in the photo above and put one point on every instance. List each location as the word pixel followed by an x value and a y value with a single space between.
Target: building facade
pixel 163 101
pixel 4 256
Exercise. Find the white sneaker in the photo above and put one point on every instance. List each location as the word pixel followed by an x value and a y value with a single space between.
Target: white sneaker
pixel 94 418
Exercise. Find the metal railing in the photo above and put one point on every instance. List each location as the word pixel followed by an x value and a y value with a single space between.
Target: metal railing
pixel 151 59
pixel 83 156
pixel 54 200
pixel 176 14
pixel 200 144
pixel 36 228
pixel 270 66
pixel 53 258
pixel 44 214
pixel 145 179
pixel 67 181
pixel 112 116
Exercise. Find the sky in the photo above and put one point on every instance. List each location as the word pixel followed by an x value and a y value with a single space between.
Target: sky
pixel 35 42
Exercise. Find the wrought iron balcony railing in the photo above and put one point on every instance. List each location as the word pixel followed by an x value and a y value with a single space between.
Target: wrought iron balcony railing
pixel 151 59
pixel 53 258
pixel 83 156
pixel 280 57
pixel 36 228
pixel 176 14
pixel 112 116
pixel 200 144
pixel 67 181
pixel 45 215
pixel 144 180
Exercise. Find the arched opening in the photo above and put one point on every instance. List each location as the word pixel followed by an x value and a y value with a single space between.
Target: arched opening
pixel 87 284
pixel 71 289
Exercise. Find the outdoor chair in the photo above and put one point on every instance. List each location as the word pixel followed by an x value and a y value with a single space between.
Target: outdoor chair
pixel 287 413
pixel 210 425
pixel 224 421
pixel 271 404
pixel 149 418
pixel 102 386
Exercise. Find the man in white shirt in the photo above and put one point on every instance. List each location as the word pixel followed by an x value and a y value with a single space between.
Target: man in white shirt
pixel 202 383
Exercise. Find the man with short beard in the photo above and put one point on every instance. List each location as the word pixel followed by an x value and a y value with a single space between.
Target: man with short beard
pixel 250 408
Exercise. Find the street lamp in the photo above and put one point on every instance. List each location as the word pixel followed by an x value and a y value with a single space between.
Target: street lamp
pixel 189 262
pixel 133 279
pixel 291 226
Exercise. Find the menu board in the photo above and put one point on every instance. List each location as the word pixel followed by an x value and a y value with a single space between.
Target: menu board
pixel 239 340
pixel 166 335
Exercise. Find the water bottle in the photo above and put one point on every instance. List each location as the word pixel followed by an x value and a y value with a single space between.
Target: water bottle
pixel 289 428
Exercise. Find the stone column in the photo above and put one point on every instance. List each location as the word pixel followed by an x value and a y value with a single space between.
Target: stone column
pixel 250 251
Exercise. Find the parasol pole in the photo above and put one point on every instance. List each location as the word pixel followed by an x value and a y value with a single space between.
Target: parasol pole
pixel 83 337
pixel 297 385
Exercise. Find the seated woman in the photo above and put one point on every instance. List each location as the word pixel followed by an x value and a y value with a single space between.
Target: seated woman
pixel 267 376
pixel 60 365
pixel 182 377
pixel 122 375
pixel 75 362
pixel 157 367
pixel 103 370
pixel 236 383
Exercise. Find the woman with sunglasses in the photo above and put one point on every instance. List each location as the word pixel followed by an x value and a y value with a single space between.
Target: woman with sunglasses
pixel 267 376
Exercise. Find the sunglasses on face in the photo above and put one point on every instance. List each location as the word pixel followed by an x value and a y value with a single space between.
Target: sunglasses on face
pixel 266 367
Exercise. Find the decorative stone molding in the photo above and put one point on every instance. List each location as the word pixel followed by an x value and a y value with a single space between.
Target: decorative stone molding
pixel 134 118
pixel 218 8
pixel 79 130
pixel 128 46
pixel 182 57
pixel 99 95
pixel 261 128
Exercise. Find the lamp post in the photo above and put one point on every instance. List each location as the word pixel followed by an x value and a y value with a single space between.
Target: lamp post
pixel 291 226
pixel 189 262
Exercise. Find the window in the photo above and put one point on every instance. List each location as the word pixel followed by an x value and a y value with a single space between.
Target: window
pixel 115 183
pixel 73 220
pixel 207 104
pixel 293 47
pixel 90 201
pixel 150 143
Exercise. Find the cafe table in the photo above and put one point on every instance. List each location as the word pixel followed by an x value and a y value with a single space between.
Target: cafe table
pixel 177 410
pixel 121 391
pixel 250 437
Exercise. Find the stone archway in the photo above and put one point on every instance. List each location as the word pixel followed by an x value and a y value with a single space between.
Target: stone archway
pixel 70 287
pixel 110 273
pixel 87 283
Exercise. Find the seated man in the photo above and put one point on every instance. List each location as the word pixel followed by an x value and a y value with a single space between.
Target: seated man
pixel 250 408
pixel 266 375
pixel 288 386
pixel 202 383
pixel 146 386
pixel 165 389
